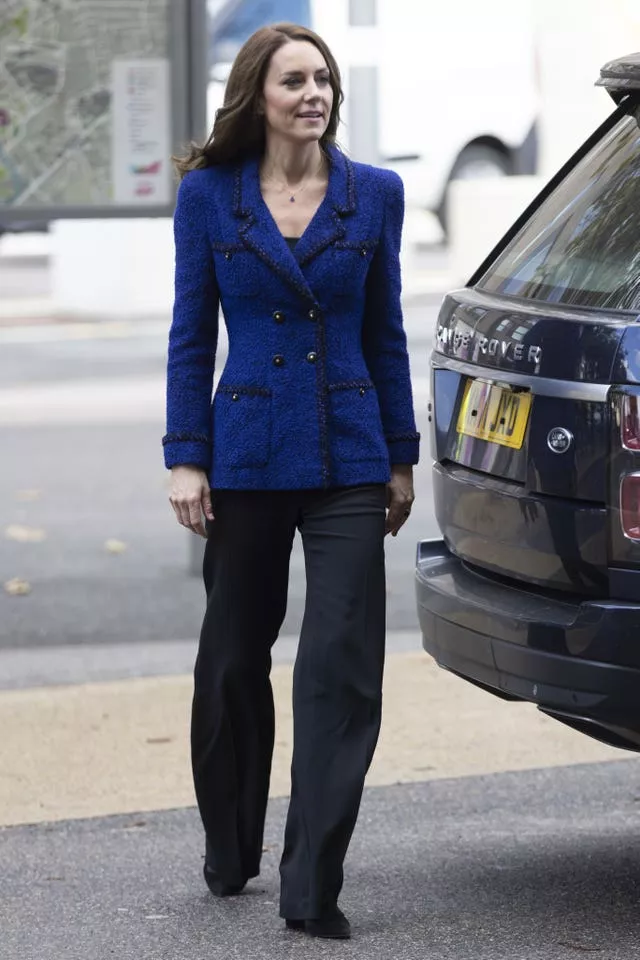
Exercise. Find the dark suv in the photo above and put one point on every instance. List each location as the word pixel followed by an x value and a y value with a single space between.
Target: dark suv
pixel 533 592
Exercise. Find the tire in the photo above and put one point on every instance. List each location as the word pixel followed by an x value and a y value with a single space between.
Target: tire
pixel 476 162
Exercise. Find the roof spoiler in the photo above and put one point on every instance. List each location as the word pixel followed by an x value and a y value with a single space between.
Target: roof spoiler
pixel 620 77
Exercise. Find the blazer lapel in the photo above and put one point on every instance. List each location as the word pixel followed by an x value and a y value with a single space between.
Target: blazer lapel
pixel 326 226
pixel 259 232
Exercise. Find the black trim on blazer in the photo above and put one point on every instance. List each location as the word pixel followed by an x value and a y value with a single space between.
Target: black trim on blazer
pixel 351 385
pixel 247 391
pixel 325 240
pixel 237 193
pixel 277 266
pixel 219 246
pixel 402 437
pixel 322 393
pixel 185 438
pixel 356 244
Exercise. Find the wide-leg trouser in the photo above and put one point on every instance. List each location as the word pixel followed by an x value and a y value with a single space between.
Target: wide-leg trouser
pixel 337 686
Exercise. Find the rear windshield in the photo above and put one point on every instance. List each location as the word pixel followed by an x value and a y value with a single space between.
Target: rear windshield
pixel 582 246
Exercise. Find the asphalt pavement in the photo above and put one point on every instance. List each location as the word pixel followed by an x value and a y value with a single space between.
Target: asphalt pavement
pixel 487 831
pixel 538 865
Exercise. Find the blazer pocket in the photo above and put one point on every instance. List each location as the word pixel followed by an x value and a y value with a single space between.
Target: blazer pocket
pixel 242 426
pixel 351 262
pixel 238 270
pixel 356 425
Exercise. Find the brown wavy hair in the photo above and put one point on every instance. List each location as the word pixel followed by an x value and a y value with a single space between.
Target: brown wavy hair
pixel 238 130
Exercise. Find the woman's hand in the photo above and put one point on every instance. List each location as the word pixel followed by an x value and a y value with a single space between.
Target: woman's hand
pixel 400 497
pixel 191 497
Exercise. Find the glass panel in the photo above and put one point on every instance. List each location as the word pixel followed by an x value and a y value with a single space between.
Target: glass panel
pixel 582 246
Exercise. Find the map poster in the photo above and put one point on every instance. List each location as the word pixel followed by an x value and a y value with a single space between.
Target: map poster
pixel 141 132
pixel 66 133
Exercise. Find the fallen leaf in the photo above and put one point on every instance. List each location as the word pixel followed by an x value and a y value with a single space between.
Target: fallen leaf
pixel 135 824
pixel 26 496
pixel 159 739
pixel 115 546
pixel 25 534
pixel 17 587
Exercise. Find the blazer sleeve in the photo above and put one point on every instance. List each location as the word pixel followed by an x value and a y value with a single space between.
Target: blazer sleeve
pixel 384 339
pixel 193 336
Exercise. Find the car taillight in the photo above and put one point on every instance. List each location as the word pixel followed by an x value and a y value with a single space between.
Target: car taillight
pixel 630 423
pixel 630 506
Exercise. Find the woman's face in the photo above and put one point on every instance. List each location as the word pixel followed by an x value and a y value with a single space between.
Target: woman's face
pixel 297 95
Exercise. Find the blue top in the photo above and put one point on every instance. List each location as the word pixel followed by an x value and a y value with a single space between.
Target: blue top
pixel 316 390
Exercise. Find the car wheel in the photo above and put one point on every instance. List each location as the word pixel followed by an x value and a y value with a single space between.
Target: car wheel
pixel 478 161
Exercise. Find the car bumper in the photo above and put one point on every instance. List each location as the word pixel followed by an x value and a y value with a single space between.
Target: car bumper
pixel 573 659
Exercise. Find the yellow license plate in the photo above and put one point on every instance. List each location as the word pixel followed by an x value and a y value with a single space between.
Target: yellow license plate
pixel 494 413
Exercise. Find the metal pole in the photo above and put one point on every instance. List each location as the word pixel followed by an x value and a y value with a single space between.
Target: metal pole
pixel 198 40
pixel 362 13
pixel 200 34
pixel 363 114
pixel 363 91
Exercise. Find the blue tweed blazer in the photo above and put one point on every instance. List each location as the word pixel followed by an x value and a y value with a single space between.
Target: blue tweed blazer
pixel 316 390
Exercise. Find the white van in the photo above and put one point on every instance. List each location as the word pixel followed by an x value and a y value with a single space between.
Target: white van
pixel 457 92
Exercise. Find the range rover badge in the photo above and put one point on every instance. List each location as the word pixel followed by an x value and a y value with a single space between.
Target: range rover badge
pixel 559 440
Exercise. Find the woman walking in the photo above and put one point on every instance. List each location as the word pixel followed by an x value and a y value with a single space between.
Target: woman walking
pixel 311 429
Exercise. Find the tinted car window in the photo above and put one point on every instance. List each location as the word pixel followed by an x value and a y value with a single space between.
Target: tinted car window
pixel 582 245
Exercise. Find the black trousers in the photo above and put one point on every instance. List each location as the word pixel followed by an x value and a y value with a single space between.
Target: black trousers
pixel 337 681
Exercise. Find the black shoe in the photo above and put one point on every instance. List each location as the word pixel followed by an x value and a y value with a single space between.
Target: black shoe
pixel 332 926
pixel 217 887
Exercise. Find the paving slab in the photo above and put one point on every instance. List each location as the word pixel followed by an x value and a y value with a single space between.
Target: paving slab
pixel 107 748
